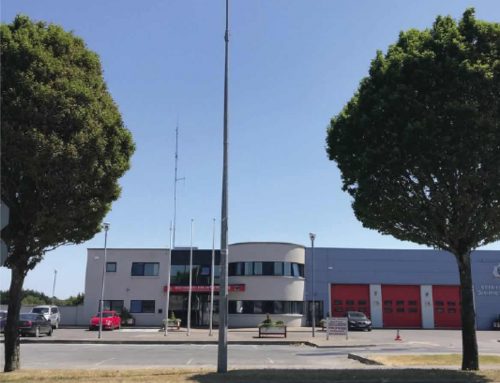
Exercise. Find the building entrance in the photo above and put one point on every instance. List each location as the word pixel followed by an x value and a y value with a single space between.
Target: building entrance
pixel 200 308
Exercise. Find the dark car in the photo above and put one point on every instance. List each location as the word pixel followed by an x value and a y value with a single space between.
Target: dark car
pixel 34 324
pixel 358 321
pixel 3 320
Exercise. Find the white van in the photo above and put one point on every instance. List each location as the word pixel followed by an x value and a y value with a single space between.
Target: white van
pixel 51 313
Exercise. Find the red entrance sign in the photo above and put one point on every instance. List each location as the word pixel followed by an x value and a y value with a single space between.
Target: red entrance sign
pixel 202 289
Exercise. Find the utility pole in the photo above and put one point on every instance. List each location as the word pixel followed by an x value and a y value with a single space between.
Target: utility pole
pixel 223 296
pixel 167 302
pixel 212 279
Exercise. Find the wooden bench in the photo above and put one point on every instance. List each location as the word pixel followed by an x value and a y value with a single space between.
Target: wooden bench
pixel 172 323
pixel 272 330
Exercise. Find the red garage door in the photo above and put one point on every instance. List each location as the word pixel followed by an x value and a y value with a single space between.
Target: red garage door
pixel 350 298
pixel 401 306
pixel 446 306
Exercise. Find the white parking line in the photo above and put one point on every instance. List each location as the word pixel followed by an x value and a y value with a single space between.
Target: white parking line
pixel 189 362
pixel 270 360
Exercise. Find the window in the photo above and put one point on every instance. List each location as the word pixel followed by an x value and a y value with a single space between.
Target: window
pixel 248 268
pixel 278 268
pixel 267 268
pixel 257 268
pixel 113 305
pixel 239 268
pixel 145 269
pixel 137 306
pixel 111 267
pixel 295 270
pixel 287 269
pixel 54 310
pixel 265 307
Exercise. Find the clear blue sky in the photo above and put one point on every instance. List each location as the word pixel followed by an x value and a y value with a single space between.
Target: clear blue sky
pixel 293 65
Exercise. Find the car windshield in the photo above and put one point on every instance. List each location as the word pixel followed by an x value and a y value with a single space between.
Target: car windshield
pixel 357 315
pixel 28 316
pixel 3 314
pixel 40 310
pixel 105 315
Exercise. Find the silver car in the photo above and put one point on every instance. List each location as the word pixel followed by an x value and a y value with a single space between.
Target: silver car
pixel 51 313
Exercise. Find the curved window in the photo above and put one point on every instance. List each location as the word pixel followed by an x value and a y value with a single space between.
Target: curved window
pixel 266 307
pixel 289 269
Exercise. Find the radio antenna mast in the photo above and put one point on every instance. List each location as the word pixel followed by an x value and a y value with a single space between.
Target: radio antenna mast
pixel 176 179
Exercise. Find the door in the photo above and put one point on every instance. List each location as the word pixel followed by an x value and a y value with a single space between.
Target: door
pixel 401 306
pixel 350 298
pixel 447 306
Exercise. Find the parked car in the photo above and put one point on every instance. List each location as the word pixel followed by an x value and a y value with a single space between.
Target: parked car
pixel 110 320
pixel 33 324
pixel 357 320
pixel 51 313
pixel 3 320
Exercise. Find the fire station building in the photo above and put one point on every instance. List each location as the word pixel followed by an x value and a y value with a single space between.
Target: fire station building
pixel 395 288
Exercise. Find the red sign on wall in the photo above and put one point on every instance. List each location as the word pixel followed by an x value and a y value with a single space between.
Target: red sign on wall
pixel 202 289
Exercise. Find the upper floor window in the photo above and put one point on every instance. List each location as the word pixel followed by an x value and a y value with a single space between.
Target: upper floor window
pixel 146 269
pixel 289 269
pixel 111 267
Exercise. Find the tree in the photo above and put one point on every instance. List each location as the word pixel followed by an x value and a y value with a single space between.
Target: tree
pixel 418 146
pixel 64 147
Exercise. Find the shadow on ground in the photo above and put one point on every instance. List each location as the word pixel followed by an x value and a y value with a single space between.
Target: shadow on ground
pixel 365 375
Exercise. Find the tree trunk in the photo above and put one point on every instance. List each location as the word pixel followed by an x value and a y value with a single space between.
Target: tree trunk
pixel 12 350
pixel 470 356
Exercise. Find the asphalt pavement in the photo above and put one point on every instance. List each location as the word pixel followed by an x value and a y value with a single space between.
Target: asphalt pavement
pixel 150 347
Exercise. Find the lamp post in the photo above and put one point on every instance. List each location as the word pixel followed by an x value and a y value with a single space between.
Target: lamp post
pixel 312 236
pixel 54 288
pixel 190 282
pixel 105 226
pixel 223 291
pixel 212 281
pixel 167 302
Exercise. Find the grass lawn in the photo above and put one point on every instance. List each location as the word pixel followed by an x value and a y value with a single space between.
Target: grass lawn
pixel 247 376
pixel 432 360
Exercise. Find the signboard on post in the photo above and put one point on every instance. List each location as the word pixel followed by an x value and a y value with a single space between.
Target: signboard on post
pixel 336 326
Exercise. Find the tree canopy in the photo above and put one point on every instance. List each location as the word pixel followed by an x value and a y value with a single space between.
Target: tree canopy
pixel 64 144
pixel 418 146
pixel 64 147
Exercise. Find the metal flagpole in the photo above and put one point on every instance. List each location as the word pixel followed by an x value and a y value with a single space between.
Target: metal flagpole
pixel 105 225
pixel 167 303
pixel 190 282
pixel 212 281
pixel 223 296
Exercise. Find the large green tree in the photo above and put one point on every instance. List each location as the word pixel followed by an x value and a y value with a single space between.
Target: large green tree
pixel 418 146
pixel 64 147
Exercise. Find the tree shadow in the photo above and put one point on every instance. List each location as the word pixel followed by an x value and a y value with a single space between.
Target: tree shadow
pixel 346 375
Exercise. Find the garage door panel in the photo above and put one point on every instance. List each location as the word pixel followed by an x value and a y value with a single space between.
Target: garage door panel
pixel 447 306
pixel 350 298
pixel 401 306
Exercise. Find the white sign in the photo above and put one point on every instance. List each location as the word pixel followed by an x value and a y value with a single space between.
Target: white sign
pixel 336 326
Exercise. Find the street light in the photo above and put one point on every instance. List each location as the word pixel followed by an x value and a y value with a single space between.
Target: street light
pixel 190 282
pixel 212 281
pixel 105 226
pixel 167 301
pixel 312 236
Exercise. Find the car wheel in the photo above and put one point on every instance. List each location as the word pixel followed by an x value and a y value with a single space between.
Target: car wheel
pixel 37 332
pixel 50 332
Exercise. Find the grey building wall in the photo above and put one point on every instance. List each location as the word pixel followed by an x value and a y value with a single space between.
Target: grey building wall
pixel 411 267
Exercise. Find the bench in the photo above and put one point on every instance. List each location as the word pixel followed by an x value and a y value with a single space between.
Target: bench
pixel 172 323
pixel 272 330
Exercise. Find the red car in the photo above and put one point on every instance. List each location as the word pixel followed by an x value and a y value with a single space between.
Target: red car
pixel 110 320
